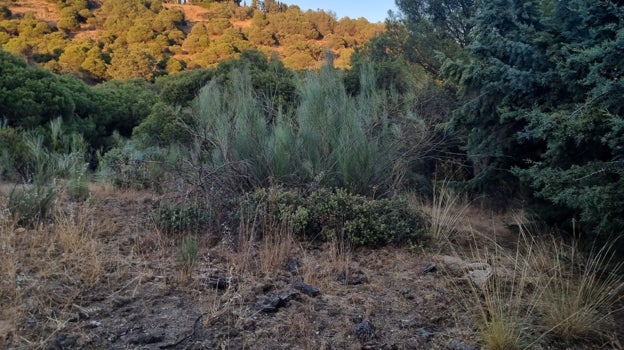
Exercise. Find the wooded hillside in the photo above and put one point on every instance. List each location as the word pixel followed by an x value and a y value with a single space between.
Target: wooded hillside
pixel 118 39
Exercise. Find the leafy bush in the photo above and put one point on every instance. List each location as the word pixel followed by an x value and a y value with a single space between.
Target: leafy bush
pixel 187 255
pixel 128 167
pixel 339 140
pixel 31 205
pixel 329 214
pixel 179 218
pixel 13 152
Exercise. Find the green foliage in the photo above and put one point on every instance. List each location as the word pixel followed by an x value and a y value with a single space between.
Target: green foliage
pixel 127 166
pixel 164 126
pixel 63 157
pixel 13 153
pixel 187 254
pixel 135 38
pixel 438 30
pixel 183 217
pixel 5 12
pixel 329 214
pixel 68 20
pixel 124 104
pixel 31 96
pixel 180 89
pixel 341 141
pixel 32 204
pixel 543 105
pixel 197 40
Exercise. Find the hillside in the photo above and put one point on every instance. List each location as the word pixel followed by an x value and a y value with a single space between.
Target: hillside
pixel 115 39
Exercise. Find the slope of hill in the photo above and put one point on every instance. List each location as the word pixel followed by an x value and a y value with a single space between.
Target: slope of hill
pixel 117 39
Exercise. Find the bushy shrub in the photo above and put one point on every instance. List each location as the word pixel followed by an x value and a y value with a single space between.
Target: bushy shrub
pixel 330 214
pixel 31 205
pixel 185 217
pixel 13 153
pixel 331 137
pixel 128 167
pixel 187 255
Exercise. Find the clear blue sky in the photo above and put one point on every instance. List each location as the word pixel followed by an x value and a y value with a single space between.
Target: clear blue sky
pixel 373 10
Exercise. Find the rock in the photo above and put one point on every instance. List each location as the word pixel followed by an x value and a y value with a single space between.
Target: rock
pixel 20 230
pixel 307 289
pixel 62 341
pixel 121 301
pixel 219 281
pixel 293 266
pixel 429 332
pixel 459 345
pixel 452 264
pixel 147 339
pixel 423 333
pixel 364 331
pixel 94 324
pixel 353 280
pixel 479 273
pixel 274 302
pixel 429 267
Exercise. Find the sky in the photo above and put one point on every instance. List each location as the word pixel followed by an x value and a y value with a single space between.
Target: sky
pixel 373 10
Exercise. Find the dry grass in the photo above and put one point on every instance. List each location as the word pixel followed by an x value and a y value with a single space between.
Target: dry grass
pixel 544 288
pixel 446 210
pixel 48 270
pixel 504 305
pixel 582 289
pixel 254 255
pixel 277 245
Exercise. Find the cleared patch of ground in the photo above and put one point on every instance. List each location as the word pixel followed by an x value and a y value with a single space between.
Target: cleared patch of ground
pixel 99 275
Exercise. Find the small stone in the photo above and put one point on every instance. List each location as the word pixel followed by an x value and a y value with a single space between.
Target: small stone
pixel 147 339
pixel 218 281
pixel 459 345
pixel 294 266
pixel 274 302
pixel 20 230
pixel 364 331
pixel 307 289
pixel 424 333
pixel 429 267
pixel 480 273
pixel 94 324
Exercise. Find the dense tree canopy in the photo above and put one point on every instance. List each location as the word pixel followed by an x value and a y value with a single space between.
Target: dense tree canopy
pixel 130 39
pixel 542 106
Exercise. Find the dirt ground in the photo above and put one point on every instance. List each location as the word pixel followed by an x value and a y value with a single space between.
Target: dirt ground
pixel 101 276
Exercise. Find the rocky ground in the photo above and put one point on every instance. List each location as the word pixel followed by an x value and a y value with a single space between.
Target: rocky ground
pixel 101 276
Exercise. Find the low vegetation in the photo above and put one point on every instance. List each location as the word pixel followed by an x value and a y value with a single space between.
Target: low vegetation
pixel 249 204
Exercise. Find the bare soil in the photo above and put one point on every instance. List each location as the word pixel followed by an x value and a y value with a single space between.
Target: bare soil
pixel 42 10
pixel 138 297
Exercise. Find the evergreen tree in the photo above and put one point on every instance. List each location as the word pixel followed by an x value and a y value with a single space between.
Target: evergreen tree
pixel 543 104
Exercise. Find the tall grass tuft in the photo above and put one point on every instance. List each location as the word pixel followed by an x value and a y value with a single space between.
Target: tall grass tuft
pixel 582 289
pixel 187 254
pixel 446 211
pixel 506 302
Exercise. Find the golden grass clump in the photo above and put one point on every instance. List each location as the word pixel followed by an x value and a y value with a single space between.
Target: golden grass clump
pixel 582 289
pixel 446 211
pixel 47 267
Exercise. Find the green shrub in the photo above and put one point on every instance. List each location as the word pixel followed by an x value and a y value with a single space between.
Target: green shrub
pixel 187 255
pixel 329 214
pixel 365 221
pixel 331 138
pixel 31 205
pixel 129 167
pixel 13 153
pixel 180 218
